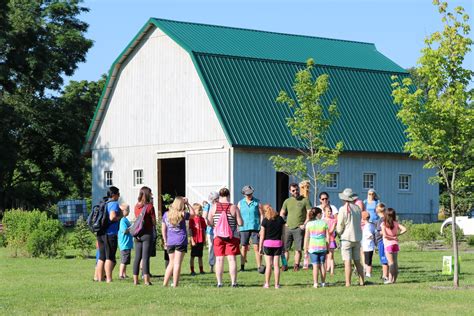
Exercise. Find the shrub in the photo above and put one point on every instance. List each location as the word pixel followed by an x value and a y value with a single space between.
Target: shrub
pixel 423 234
pixel 448 235
pixel 32 233
pixel 470 241
pixel 82 239
pixel 3 240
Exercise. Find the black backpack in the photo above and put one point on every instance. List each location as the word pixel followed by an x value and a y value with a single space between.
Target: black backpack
pixel 98 219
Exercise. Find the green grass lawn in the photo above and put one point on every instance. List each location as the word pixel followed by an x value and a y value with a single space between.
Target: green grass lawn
pixel 64 286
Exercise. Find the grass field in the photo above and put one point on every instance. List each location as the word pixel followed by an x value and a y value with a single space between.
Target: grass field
pixel 64 286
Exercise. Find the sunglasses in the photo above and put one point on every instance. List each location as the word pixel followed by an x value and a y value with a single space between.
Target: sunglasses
pixel 294 190
pixel 324 199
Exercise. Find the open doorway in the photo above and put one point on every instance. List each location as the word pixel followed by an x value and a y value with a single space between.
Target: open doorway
pixel 282 183
pixel 171 179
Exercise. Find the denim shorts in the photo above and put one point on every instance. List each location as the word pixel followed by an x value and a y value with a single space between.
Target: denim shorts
pixel 318 257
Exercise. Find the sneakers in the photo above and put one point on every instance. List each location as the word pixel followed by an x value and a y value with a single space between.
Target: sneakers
pixel 235 285
pixel 219 285
pixel 261 269
pixel 387 282
pixel 278 286
pixel 315 285
pixel 242 268
pixel 368 275
pixel 284 268
pixel 193 273
pixel 265 286
pixel 323 284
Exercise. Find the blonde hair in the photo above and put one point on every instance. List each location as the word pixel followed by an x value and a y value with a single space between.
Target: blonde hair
pixel 176 211
pixel 304 188
pixel 380 208
pixel 197 209
pixel 270 213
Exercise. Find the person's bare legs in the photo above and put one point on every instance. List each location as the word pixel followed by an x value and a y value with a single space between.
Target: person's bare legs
pixel 330 262
pixel 169 270
pixel 178 260
pixel 219 269
pixel 276 270
pixel 360 271
pixel 109 267
pixel 258 256
pixel 297 257
pixel 122 270
pixel 392 266
pixel 99 270
pixel 323 272
pixel 315 274
pixel 268 269
pixel 395 267
pixel 348 271
pixel 232 269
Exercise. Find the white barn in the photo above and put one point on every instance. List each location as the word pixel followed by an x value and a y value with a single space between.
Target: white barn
pixel 189 108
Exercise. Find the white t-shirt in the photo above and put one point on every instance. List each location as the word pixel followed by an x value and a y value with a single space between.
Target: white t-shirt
pixel 368 232
pixel 333 208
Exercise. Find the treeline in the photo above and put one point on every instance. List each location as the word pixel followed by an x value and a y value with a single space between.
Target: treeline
pixel 42 124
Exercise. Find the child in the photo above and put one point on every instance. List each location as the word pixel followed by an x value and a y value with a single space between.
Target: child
pixel 125 241
pixel 173 229
pixel 380 209
pixel 271 243
pixel 368 244
pixel 197 229
pixel 331 220
pixel 316 242
pixel 390 231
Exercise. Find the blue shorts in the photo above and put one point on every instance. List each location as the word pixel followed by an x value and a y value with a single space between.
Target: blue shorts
pixel 383 259
pixel 318 257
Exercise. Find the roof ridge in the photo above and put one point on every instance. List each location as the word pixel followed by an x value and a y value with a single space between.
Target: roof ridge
pixel 297 62
pixel 270 32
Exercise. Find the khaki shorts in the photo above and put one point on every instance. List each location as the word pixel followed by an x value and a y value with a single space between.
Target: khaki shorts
pixel 350 250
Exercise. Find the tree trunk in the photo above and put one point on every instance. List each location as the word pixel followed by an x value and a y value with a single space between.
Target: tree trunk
pixel 455 243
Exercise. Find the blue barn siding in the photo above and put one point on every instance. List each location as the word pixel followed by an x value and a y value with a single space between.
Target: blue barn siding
pixel 420 204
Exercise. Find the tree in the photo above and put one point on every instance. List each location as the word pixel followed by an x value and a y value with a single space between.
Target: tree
pixel 41 42
pixel 310 124
pixel 439 116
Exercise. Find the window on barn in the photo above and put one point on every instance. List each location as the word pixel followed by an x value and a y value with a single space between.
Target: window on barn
pixel 368 181
pixel 108 178
pixel 333 180
pixel 138 177
pixel 404 182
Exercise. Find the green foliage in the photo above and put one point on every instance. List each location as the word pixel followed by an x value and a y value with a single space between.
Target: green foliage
pixel 3 240
pixel 310 123
pixel 424 234
pixel 32 233
pixel 470 241
pixel 448 235
pixel 82 239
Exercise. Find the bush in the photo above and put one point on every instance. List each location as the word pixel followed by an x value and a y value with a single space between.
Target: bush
pixel 423 234
pixel 32 233
pixel 448 235
pixel 82 239
pixel 3 240
pixel 470 241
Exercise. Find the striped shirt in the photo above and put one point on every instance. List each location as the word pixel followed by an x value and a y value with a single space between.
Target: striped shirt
pixel 317 235
pixel 225 207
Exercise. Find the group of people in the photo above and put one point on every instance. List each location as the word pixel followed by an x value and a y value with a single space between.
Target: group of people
pixel 229 229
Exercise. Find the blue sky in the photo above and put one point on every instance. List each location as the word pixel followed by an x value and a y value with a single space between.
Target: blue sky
pixel 397 27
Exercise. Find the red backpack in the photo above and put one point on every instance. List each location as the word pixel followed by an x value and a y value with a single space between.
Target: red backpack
pixel 222 228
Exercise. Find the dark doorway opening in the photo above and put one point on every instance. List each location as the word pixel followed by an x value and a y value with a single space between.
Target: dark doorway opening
pixel 171 179
pixel 282 183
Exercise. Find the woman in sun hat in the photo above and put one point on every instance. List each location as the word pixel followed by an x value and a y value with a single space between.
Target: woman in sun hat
pixel 350 232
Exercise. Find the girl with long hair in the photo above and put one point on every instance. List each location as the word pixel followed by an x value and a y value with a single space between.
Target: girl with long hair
pixel 173 228
pixel 145 238
pixel 271 243
pixel 391 229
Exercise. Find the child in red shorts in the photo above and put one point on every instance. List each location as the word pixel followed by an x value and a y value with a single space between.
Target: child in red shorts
pixel 197 229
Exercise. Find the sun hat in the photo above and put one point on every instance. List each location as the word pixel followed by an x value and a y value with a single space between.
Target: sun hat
pixel 348 195
pixel 213 196
pixel 247 190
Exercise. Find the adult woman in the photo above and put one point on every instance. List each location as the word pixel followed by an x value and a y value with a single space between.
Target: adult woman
pixel 224 245
pixel 370 205
pixel 173 229
pixel 144 240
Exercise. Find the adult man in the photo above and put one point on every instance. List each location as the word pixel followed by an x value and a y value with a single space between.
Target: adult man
pixel 348 227
pixel 295 208
pixel 252 215
pixel 324 200
pixel 212 199
pixel 107 239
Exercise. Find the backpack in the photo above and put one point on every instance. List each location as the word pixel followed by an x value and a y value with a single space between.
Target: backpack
pixel 222 228
pixel 137 227
pixel 98 219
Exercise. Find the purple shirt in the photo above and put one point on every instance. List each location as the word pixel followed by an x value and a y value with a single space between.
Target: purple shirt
pixel 177 235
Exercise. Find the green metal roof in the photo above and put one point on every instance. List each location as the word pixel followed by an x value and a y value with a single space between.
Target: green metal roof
pixel 244 70
pixel 244 92
pixel 231 41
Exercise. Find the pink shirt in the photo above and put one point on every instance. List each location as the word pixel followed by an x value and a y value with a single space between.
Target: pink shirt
pixel 331 221
pixel 390 237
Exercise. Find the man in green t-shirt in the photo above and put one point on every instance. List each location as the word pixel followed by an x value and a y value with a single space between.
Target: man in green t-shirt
pixel 295 209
